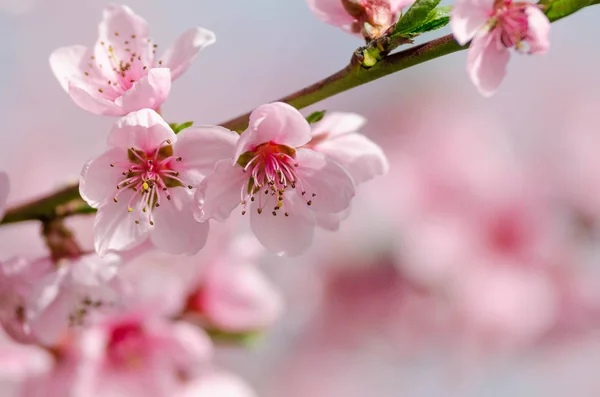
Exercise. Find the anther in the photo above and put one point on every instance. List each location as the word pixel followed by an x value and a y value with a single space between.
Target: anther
pixel 309 202
pixel 190 187
pixel 259 210
pixel 137 222
pixel 243 212
pixel 144 209
pixel 112 164
pixel 100 90
pixel 314 194
pixel 287 214
pixel 274 213
pixel 116 200
pixel 151 223
pixel 164 189
pixel 178 159
pixel 169 197
pixel 157 205
pixel 129 209
pixel 134 189
pixel 169 141
pixel 266 192
pixel 303 193
pixel 116 33
pixel 251 198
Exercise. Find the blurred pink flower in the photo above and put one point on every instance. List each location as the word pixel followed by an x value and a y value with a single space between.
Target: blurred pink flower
pixel 495 26
pixel 121 74
pixel 297 182
pixel 143 186
pixel 233 294
pixel 141 354
pixel 42 300
pixel 370 18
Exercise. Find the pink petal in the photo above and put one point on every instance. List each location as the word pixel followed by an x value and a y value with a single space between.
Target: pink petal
pixel 276 122
pixel 187 345
pixel 468 17
pixel 332 12
pixel 180 54
pixel 144 130
pixel 397 5
pixel 332 185
pixel 331 222
pixel 201 148
pixel 338 123
pixel 362 158
pixel 119 24
pixel 237 297
pixel 70 63
pixel 93 103
pixel 486 62
pixel 148 92
pixel 115 228
pixel 220 192
pixel 216 384
pixel 284 235
pixel 175 230
pixel 539 30
pixel 4 189
pixel 98 181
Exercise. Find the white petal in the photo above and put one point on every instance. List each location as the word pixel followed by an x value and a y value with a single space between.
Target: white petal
pixel 182 52
pixel 148 92
pixel 331 185
pixel 98 181
pixel 487 59
pixel 175 230
pixel 338 123
pixel 220 192
pixel 284 235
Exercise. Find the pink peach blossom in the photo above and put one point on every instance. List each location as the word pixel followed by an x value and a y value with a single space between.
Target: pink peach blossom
pixel 280 182
pixel 370 18
pixel 494 26
pixel 141 354
pixel 233 294
pixel 122 73
pixel 143 186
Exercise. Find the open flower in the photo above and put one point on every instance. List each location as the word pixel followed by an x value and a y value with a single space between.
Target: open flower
pixel 282 184
pixel 337 137
pixel 144 186
pixel 495 26
pixel 122 73
pixel 368 18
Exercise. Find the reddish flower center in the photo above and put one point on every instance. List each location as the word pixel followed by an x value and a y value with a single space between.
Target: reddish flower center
pixel 151 177
pixel 511 22
pixel 273 170
pixel 127 346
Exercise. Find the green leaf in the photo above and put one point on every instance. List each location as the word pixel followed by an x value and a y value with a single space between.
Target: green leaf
pixel 416 16
pixel 177 128
pixel 315 117
pixel 438 18
pixel 557 9
pixel 247 339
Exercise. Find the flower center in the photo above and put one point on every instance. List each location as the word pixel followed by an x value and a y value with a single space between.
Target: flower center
pixel 128 62
pixel 511 21
pixel 151 177
pixel 272 170
pixel 126 346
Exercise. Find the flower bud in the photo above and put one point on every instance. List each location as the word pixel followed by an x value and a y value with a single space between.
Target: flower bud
pixel 373 17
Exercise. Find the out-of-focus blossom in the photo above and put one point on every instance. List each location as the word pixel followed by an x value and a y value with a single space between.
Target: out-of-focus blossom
pixel 41 300
pixel 280 182
pixel 122 73
pixel 216 384
pixel 4 189
pixel 494 26
pixel 338 138
pixel 233 295
pixel 369 18
pixel 143 186
pixel 141 354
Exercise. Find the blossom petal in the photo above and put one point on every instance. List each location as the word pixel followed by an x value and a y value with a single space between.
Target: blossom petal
pixel 332 222
pixel 332 12
pixel 397 5
pixel 115 228
pixel 120 24
pixel 276 122
pixel 331 185
pixel 182 52
pixel 362 158
pixel 284 235
pixel 93 103
pixel 338 123
pixel 213 384
pixel 149 92
pixel 71 64
pixel 4 189
pixel 175 230
pixel 201 148
pixel 144 130
pixel 539 30
pixel 98 181
pixel 219 193
pixel 468 17
pixel 486 62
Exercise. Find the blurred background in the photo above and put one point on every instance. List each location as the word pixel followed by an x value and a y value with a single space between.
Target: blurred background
pixel 471 269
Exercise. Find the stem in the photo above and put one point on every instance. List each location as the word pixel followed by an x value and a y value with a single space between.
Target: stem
pixel 353 75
